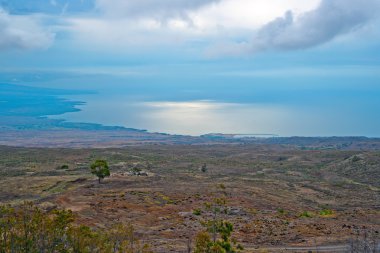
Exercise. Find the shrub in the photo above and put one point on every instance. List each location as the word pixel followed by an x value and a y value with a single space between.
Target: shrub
pixel 28 229
pixel 204 168
pixel 355 159
pixel 202 243
pixel 326 212
pixel 216 238
pixel 64 167
pixel 306 214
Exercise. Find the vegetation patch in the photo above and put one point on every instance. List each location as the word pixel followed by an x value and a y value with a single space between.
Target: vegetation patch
pixel 326 212
pixel 306 214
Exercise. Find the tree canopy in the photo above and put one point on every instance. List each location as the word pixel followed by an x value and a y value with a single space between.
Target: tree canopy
pixel 100 169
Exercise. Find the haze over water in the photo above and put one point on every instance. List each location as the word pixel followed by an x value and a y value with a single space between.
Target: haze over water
pixel 281 103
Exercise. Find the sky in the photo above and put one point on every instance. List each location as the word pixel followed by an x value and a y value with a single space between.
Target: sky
pixel 89 33
pixel 280 49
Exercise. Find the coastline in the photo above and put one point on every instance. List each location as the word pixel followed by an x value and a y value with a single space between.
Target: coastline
pixel 26 124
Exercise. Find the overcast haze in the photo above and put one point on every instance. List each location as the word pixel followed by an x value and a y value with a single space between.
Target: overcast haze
pixel 270 61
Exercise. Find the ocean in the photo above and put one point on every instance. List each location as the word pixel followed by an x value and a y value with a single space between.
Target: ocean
pixel 258 103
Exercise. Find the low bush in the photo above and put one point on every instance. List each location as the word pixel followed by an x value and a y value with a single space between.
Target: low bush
pixel 306 214
pixel 326 212
pixel 28 229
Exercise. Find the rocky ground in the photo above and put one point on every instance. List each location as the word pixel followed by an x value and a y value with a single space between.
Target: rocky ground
pixel 276 195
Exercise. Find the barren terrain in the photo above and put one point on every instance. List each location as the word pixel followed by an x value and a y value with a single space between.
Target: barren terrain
pixel 277 195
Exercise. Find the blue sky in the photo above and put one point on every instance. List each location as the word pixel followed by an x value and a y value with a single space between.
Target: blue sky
pixel 277 52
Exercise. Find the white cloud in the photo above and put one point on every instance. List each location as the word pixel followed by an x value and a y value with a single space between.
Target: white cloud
pixel 332 18
pixel 151 22
pixel 248 14
pixel 22 32
pixel 258 25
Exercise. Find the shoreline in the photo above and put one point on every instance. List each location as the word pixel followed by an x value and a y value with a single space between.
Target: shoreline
pixel 28 124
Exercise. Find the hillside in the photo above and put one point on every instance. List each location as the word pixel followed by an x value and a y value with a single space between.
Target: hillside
pixel 276 195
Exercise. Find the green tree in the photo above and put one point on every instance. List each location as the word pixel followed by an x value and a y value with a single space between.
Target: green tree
pixel 100 169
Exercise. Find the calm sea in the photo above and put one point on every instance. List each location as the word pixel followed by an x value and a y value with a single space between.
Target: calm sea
pixel 234 103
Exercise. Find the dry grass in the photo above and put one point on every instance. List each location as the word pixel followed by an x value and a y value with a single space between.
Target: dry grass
pixel 260 180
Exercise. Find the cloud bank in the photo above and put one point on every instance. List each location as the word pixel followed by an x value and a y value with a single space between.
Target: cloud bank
pixel 126 25
pixel 22 32
pixel 331 19
pixel 215 24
